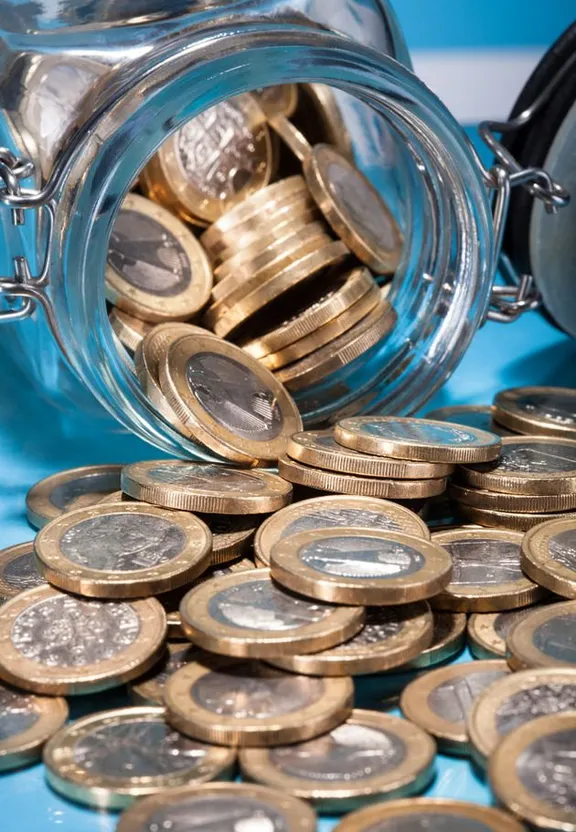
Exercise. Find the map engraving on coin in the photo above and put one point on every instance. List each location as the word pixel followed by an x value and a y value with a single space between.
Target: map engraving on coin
pixel 531 703
pixel 325 518
pixel 220 813
pixel 562 548
pixel 17 713
pixel 480 561
pixel 261 605
pixel 453 699
pixel 84 491
pixel 547 769
pixel 557 638
pixel 200 476
pixel 21 573
pixel 361 557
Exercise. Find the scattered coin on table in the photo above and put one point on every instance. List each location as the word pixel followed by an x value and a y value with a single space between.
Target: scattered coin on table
pixel 448 639
pixel 545 638
pixel 67 490
pixel 26 723
pixel 149 689
pixel 487 632
pixel 541 411
pixel 474 416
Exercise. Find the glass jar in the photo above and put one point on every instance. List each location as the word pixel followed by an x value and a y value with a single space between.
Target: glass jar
pixel 89 96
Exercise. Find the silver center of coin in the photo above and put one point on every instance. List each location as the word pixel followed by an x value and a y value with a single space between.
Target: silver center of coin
pixel 250 691
pixel 234 396
pixel 429 822
pixel 453 699
pixel 482 561
pixel 547 769
pixel 147 255
pixel 84 491
pixel 220 813
pixel 548 458
pixel 21 573
pixel 68 632
pixel 557 638
pixel 361 557
pixel 17 713
pixel 260 605
pixel 349 752
pixel 215 478
pixel 420 432
pixel 562 548
pixel 381 624
pixel 551 407
pixel 541 700
pixel 346 518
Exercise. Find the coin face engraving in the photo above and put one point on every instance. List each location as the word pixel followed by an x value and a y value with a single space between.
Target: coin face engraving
pixel 249 691
pixel 453 699
pixel 214 477
pixel 562 548
pixel 544 458
pixel 69 632
pixel 21 573
pixel 260 605
pixel 504 622
pixel 84 491
pixel 349 752
pixel 147 255
pixel 552 407
pixel 220 813
pixel 418 432
pixel 325 518
pixel 17 713
pixel 541 700
pixel 429 822
pixel 557 638
pixel 361 557
pixel 234 396
pixel 483 561
pixel 547 769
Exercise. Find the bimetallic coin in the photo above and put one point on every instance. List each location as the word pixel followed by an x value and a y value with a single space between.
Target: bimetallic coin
pixel 486 572
pixel 390 637
pixel 58 644
pixel 513 503
pixel 474 416
pixel 349 566
pixel 439 701
pixel 370 757
pixel 487 632
pixel 67 490
pixel 26 723
pixel 149 690
pixel 417 439
pixel 219 807
pixel 112 758
pixel 244 614
pixel 213 489
pixel 545 638
pixel 18 570
pixel 130 330
pixel 533 772
pixel 282 98
pixel 549 556
pixel 246 703
pixel 543 411
pixel 227 400
pixel 515 521
pixel 448 639
pixel 515 700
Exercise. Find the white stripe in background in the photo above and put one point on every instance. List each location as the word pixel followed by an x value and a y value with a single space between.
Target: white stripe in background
pixel 476 84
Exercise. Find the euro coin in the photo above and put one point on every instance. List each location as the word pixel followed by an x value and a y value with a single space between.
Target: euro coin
pixel 67 490
pixel 448 639
pixel 149 689
pixel 543 411
pixel 28 722
pixel 472 415
pixel 19 570
pixel 549 556
pixel 512 503
pixel 487 632
pixel 545 638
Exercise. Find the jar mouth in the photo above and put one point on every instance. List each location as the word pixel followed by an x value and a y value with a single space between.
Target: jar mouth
pixel 440 290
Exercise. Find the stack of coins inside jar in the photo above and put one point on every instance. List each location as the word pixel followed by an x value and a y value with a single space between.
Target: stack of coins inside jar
pixel 299 629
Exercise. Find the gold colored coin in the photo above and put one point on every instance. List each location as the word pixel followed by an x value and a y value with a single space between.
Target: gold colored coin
pixel 110 759
pixel 532 772
pixel 201 186
pixel 549 556
pixel 67 490
pixel 156 269
pixel 228 401
pixel 487 575
pixel 416 439
pixel 540 411
pixel 448 639
pixel 149 689
pixel 213 489
pixel 334 772
pixel 123 550
pixel 439 701
pixel 247 703
pixel 130 330
pixel 231 535
pixel 245 615
pixel 59 644
pixel 527 465
pixel 28 722
pixel 227 804
pixel 360 566
pixel 545 638
pixel 341 511
pixel 365 486
pixel 471 415
pixel 513 503
pixel 487 632
pixel 282 98
pixel 18 570
pixel 515 521
pixel 391 636
pixel 515 700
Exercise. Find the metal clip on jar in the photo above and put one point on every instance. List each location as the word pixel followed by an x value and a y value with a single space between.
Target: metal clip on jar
pixel 89 96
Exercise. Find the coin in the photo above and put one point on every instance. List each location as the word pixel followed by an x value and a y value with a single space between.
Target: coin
pixel 123 550
pixel 533 772
pixel 400 489
pixel 416 439
pixel 512 503
pixel 110 759
pixel 527 465
pixel 291 136
pixel 26 723
pixel 518 521
pixel 231 535
pixel 423 814
pixel 197 486
pixel 545 638
pixel 471 415
pixel 18 570
pixel 156 269
pixel 130 330
pixel 515 700
pixel 486 571
pixel 229 402
pixel 149 689
pixel 67 490
pixel 370 757
pixel 487 632
pixel 222 807
pixel 544 411
pixel 354 209
pixel 549 556
pixel 360 566
pixel 439 701
pixel 220 569
pixel 323 113
pixel 391 636
pixel 282 98
pixel 247 703
pixel 58 644
pixel 448 639
pixel 246 615
pixel 212 162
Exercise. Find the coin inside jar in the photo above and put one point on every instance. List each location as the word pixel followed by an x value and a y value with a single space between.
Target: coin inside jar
pixel 549 556
pixel 149 689
pixel 487 632
pixel 130 330
pixel 18 570
pixel 545 638
pixel 543 411
pixel 26 723
pixel 68 490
